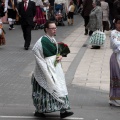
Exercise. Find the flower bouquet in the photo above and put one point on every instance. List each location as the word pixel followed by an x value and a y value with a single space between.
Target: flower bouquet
pixel 63 50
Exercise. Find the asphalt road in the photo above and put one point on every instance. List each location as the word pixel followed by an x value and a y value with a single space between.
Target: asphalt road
pixel 16 66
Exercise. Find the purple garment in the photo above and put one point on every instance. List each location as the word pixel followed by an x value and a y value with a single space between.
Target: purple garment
pixel 114 78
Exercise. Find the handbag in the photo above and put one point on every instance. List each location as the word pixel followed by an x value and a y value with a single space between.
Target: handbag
pixel 97 38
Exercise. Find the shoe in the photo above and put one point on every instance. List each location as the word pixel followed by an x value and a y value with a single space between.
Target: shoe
pixel 95 47
pixel 10 28
pixel 66 114
pixel 13 28
pixel 114 103
pixel 41 26
pixel 85 33
pixel 37 114
pixel 26 48
pixel 36 27
pixel 90 33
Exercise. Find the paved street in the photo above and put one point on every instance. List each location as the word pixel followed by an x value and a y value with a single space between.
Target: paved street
pixel 86 71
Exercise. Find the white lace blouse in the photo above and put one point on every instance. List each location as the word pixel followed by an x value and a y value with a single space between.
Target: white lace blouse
pixel 115 42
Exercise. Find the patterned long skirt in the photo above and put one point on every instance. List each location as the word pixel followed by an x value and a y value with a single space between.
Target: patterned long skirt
pixel 2 39
pixel 114 78
pixel 44 102
pixel 39 17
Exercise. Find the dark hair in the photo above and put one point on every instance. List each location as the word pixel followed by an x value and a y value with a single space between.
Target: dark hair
pixel 71 2
pixel 97 2
pixel 46 25
pixel 117 18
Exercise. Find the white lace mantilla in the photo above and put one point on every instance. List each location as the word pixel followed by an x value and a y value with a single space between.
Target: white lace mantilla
pixel 48 76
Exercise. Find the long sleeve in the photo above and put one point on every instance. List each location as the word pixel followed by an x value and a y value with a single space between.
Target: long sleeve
pixel 6 5
pixel 34 9
pixel 108 10
pixel 49 48
pixel 115 41
pixel 99 17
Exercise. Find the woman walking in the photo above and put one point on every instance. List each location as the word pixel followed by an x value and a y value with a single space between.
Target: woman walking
pixel 114 94
pixel 49 88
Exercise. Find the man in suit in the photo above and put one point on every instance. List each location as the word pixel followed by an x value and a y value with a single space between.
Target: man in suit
pixel 27 11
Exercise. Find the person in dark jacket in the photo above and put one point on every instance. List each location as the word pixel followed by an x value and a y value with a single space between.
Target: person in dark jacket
pixel 27 11
pixel 116 8
pixel 111 13
pixel 2 8
pixel 87 7
pixel 51 8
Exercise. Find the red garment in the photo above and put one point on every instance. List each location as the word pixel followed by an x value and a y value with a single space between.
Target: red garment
pixel 25 6
pixel 39 17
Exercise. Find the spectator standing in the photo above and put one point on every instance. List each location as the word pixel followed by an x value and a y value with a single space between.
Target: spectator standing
pixel 51 7
pixel 114 93
pixel 27 11
pixel 95 22
pixel 105 9
pixel 71 9
pixel 111 12
pixel 10 8
pixel 49 87
pixel 87 7
pixel 46 9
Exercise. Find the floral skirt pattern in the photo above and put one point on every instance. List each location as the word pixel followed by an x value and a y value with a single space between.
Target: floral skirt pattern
pixel 44 102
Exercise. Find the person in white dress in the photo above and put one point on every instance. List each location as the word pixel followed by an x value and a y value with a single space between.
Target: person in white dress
pixel 114 93
pixel 105 9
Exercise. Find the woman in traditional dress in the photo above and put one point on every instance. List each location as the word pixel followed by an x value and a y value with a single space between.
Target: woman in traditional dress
pixel 2 37
pixel 115 65
pixel 49 87
pixel 39 17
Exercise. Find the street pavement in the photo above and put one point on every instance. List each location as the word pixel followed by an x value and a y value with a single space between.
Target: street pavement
pixel 86 71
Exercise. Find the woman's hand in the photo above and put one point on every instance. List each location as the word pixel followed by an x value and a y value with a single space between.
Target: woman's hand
pixel 59 58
